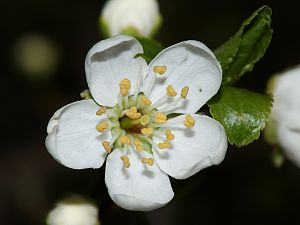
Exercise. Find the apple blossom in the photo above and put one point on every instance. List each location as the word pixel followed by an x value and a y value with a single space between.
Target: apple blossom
pixel 284 126
pixel 142 119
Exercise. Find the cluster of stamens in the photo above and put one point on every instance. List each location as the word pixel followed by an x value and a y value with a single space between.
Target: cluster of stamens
pixel 136 120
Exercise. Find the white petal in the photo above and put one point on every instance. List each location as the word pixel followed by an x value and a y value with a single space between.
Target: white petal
pixel 51 144
pixel 193 149
pixel 138 187
pixel 286 108
pixel 108 62
pixel 189 63
pixel 74 140
pixel 289 140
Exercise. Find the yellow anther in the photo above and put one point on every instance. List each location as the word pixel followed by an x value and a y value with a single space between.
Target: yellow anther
pixel 133 114
pixel 160 118
pixel 102 126
pixel 169 135
pixel 124 92
pixel 147 131
pixel 164 144
pixel 189 121
pixel 160 69
pixel 138 145
pixel 101 111
pixel 146 100
pixel 148 161
pixel 125 160
pixel 184 92
pixel 171 91
pixel 125 86
pixel 106 146
pixel 145 119
pixel 125 140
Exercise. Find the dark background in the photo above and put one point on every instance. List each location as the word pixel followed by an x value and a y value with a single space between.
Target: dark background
pixel 245 189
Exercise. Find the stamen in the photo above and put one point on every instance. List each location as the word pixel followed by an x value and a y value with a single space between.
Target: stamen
pixel 125 140
pixel 102 126
pixel 138 145
pixel 125 86
pixel 106 146
pixel 160 118
pixel 146 100
pixel 164 144
pixel 125 160
pixel 147 131
pixel 184 92
pixel 101 111
pixel 159 69
pixel 148 161
pixel 145 119
pixel 169 135
pixel 171 91
pixel 120 99
pixel 132 113
pixel 189 121
pixel 160 101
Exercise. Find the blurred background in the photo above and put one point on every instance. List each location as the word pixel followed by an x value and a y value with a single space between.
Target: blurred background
pixel 43 47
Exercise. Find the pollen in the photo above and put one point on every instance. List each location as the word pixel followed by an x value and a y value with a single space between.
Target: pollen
pixel 133 114
pixel 146 100
pixel 164 144
pixel 145 119
pixel 125 86
pixel 101 111
pixel 138 145
pixel 102 126
pixel 147 131
pixel 125 140
pixel 171 91
pixel 148 161
pixel 160 118
pixel 159 69
pixel 125 160
pixel 184 92
pixel 169 135
pixel 189 121
pixel 106 146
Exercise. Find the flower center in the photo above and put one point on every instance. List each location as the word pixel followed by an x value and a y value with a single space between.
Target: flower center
pixel 135 120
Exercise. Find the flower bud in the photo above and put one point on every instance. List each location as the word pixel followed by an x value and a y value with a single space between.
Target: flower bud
pixel 73 211
pixel 132 17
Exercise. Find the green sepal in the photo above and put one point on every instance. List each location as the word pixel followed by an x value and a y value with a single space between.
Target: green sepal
pixel 239 54
pixel 243 113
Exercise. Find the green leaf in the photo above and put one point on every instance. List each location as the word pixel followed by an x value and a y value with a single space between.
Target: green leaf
pixel 239 54
pixel 151 48
pixel 243 113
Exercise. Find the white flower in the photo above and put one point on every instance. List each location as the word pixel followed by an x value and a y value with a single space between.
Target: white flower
pixel 132 114
pixel 134 17
pixel 285 118
pixel 73 212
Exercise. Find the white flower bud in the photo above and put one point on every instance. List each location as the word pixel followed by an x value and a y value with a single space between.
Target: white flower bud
pixel 132 17
pixel 284 125
pixel 75 211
